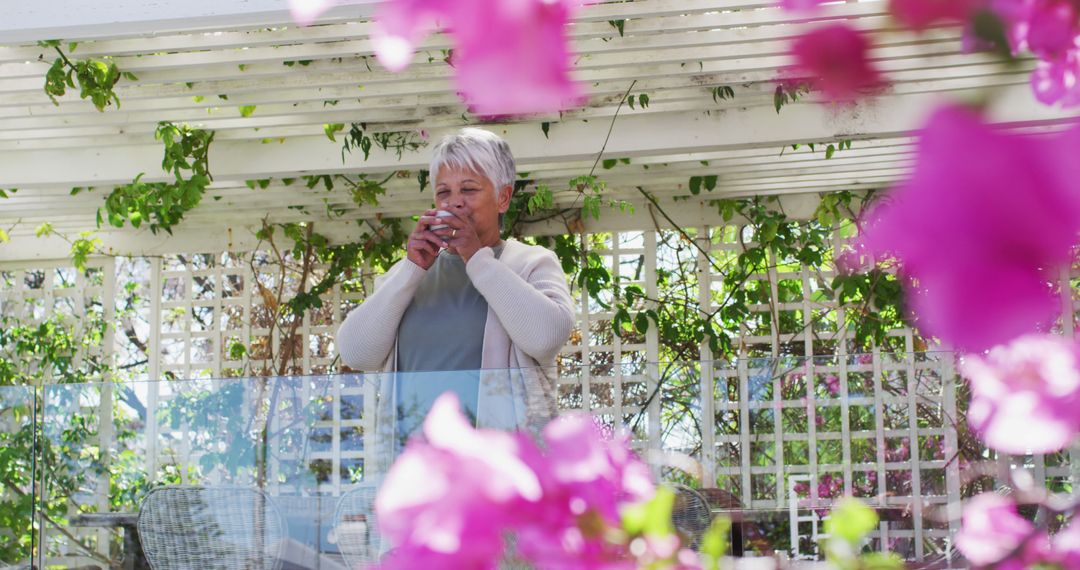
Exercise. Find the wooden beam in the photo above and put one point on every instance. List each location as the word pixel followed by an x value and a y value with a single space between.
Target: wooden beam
pixel 28 22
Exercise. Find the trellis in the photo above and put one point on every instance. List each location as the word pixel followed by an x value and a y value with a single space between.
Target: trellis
pixel 203 297
pixel 774 400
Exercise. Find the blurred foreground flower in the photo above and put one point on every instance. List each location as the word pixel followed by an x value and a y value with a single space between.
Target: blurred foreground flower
pixel 510 56
pixel 982 226
pixel 304 12
pixel 452 497
pixel 446 501
pixel 800 4
pixel 992 529
pixel 1050 29
pixel 835 60
pixel 1026 395
pixel 586 477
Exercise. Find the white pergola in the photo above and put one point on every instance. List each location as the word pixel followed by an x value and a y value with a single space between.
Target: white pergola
pixel 186 54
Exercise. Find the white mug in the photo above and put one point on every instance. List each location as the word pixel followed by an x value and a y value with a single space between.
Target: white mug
pixel 441 214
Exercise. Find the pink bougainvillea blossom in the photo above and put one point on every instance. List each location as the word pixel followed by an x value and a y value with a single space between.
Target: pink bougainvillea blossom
pixel 586 476
pixel 1046 28
pixel 835 59
pixel 510 56
pixel 1066 545
pixel 449 497
pixel 991 529
pixel 1003 206
pixel 1049 29
pixel 800 5
pixel 304 12
pixel 921 14
pixel 832 384
pixel 1026 395
pixel 453 496
pixel 1058 80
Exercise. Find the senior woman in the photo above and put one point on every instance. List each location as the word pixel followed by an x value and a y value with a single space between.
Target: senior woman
pixel 490 315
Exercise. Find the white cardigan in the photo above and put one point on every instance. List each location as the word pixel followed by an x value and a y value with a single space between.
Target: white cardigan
pixel 530 316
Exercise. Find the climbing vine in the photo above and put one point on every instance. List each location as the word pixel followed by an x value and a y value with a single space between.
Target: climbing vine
pixel 162 205
pixel 95 78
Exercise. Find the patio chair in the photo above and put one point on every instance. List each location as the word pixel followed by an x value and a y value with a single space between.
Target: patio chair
pixel 690 515
pixel 191 527
pixel 355 528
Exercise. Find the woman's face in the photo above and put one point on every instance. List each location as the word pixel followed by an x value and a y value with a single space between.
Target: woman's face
pixel 472 196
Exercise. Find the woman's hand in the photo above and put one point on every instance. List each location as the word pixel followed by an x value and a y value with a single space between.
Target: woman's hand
pixel 424 244
pixel 460 234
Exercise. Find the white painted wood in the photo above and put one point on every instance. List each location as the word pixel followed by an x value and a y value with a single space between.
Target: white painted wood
pixel 633 135
pixel 27 22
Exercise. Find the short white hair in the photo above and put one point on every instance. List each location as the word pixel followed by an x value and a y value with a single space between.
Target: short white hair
pixel 476 149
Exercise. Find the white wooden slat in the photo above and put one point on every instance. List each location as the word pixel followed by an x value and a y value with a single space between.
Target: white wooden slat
pixel 50 19
pixel 633 135
pixel 666 94
pixel 728 28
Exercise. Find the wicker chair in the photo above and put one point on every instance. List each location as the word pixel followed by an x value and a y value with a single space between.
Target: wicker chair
pixel 190 527
pixel 355 528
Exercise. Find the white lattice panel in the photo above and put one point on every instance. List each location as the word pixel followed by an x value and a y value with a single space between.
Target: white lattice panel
pixel 32 293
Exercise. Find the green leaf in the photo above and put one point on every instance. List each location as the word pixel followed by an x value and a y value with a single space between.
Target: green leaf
pixel 545 127
pixel 851 520
pixel 644 100
pixel 710 182
pixel 44 229
pixel 246 110
pixel 695 185
pixel 237 350
pixel 714 543
pixel 4 238
pixel 609 163
pixel 882 561
pixel 641 323
pixel 330 129
pixel 829 151
pixel 652 517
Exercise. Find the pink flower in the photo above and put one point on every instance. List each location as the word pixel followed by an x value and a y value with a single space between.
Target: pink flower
pixel 852 259
pixel 836 59
pixel 304 12
pixel 1045 27
pixel 1026 395
pixel 832 384
pixel 1058 80
pixel 921 14
pixel 446 500
pixel 602 470
pixel 1005 209
pixel 800 5
pixel 1052 27
pixel 510 56
pixel 1051 30
pixel 1066 545
pixel 991 529
pixel 586 477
